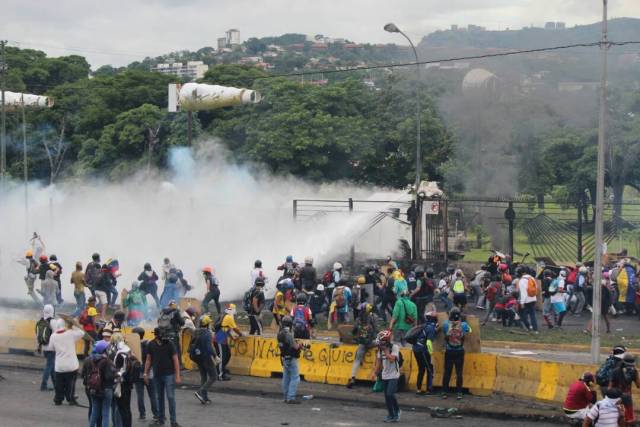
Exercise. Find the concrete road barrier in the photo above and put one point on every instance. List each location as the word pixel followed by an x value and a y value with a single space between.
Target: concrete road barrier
pixel 242 353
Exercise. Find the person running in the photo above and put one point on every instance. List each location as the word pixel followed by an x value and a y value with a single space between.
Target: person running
pixel 364 333
pixel 302 318
pixel 79 283
pixel 423 349
pixel 98 375
pixel 212 290
pixel 163 359
pixel 387 368
pixel 127 368
pixel 149 283
pixel 55 265
pixel 256 306
pixel 289 355
pixel 171 291
pixel 44 329
pixel 92 272
pixel 139 383
pixel 454 332
pixel 63 342
pixel 136 305
pixel 224 330
pixel 580 397
pixel 202 353
pixel 31 274
pixel 404 317
pixel 49 288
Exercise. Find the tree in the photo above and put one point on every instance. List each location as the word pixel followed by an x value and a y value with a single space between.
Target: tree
pixel 235 75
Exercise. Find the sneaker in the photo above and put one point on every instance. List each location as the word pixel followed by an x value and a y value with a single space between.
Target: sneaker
pixel 200 398
pixel 293 402
pixel 157 422
pixel 421 392
pixel 399 415
pixel 389 419
pixel 226 378
pixel 142 417
pixel 351 382
pixel 209 402
pixel 459 396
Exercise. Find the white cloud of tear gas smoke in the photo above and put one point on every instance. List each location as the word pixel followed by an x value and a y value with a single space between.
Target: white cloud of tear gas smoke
pixel 205 211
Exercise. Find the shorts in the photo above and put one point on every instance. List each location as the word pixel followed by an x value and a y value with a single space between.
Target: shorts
pixel 101 297
pixel 459 299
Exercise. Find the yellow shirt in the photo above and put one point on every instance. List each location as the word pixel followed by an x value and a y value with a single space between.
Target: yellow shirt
pixel 228 323
pixel 77 278
pixel 279 306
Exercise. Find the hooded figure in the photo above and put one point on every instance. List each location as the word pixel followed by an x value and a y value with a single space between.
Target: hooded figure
pixel 136 305
pixel 48 288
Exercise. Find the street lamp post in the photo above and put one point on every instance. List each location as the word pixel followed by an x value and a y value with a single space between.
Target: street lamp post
pixel 392 28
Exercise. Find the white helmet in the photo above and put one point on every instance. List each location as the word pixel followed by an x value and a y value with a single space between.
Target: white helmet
pixel 320 287
pixel 583 269
pixel 308 260
pixel 563 273
pixel 337 266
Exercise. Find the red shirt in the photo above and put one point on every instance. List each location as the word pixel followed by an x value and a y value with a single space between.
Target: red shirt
pixel 579 396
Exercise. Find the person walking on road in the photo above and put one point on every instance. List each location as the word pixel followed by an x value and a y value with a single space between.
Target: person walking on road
pixel 44 329
pixel 423 349
pixel 98 375
pixel 387 368
pixel 162 357
pixel 454 331
pixel 289 355
pixel 528 298
pixel 223 330
pixel 139 383
pixel 202 353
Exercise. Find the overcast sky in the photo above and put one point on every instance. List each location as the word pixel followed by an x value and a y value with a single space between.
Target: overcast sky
pixel 121 31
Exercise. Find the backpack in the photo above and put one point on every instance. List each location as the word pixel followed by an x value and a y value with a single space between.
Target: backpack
pixel 94 378
pixel 299 320
pixel 195 352
pixel 246 300
pixel 532 287
pixel 399 360
pixel 136 298
pixel 603 374
pixel 414 334
pixel 339 298
pixel 458 287
pixel 327 278
pixel 164 322
pixel 286 352
pixel 455 335
pixel 92 273
pixel 43 331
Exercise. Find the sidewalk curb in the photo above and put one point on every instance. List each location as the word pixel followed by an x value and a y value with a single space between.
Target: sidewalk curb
pixel 348 398
pixel 542 346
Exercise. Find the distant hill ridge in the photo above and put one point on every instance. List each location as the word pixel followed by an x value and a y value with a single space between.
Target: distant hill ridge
pixel 620 29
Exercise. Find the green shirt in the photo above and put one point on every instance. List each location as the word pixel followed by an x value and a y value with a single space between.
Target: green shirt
pixel 404 306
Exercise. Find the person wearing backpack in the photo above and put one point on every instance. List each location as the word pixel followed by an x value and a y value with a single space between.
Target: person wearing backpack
pixel 289 356
pixel 423 349
pixel 149 283
pixel 98 375
pixel 404 317
pixel 170 323
pixel 302 318
pixel 341 297
pixel 423 293
pixel 44 328
pixel 63 342
pixel 528 299
pixel 55 265
pixel 605 371
pixel 202 353
pixel 256 305
pixel 163 358
pixel 31 273
pixel 92 272
pixel 127 368
pixel 364 333
pixel 454 331
pixel 136 305
pixel 459 289
pixel 387 368
pixel 623 377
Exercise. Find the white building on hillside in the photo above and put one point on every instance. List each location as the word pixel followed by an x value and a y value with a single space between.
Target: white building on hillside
pixel 192 70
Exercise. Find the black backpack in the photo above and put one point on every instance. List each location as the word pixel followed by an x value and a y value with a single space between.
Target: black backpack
pixel 247 300
pixel 165 323
pixel 604 373
pixel 43 331
pixel 195 352
pixel 93 380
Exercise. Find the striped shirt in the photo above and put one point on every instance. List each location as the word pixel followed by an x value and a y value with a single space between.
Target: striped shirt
pixel 605 412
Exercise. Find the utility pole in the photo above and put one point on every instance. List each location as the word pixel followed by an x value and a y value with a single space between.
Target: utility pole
pixel 3 116
pixel 597 269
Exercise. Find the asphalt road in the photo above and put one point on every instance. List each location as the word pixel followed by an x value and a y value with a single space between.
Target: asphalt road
pixel 23 405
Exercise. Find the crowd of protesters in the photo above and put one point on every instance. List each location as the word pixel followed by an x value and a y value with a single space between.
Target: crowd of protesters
pixel 386 307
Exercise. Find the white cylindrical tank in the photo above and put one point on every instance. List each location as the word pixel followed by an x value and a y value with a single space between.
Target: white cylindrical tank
pixel 14 100
pixel 197 96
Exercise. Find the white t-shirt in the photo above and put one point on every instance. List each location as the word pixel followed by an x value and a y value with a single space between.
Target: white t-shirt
pixel 523 284
pixel 558 296
pixel 606 412
pixel 390 370
pixel 255 273
pixel 64 344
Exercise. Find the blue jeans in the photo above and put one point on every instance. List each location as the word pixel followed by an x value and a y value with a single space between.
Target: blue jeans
pixel 166 385
pixel 529 316
pixel 80 303
pixel 47 372
pixel 151 390
pixel 101 407
pixel 290 378
pixel 169 293
pixel 390 388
